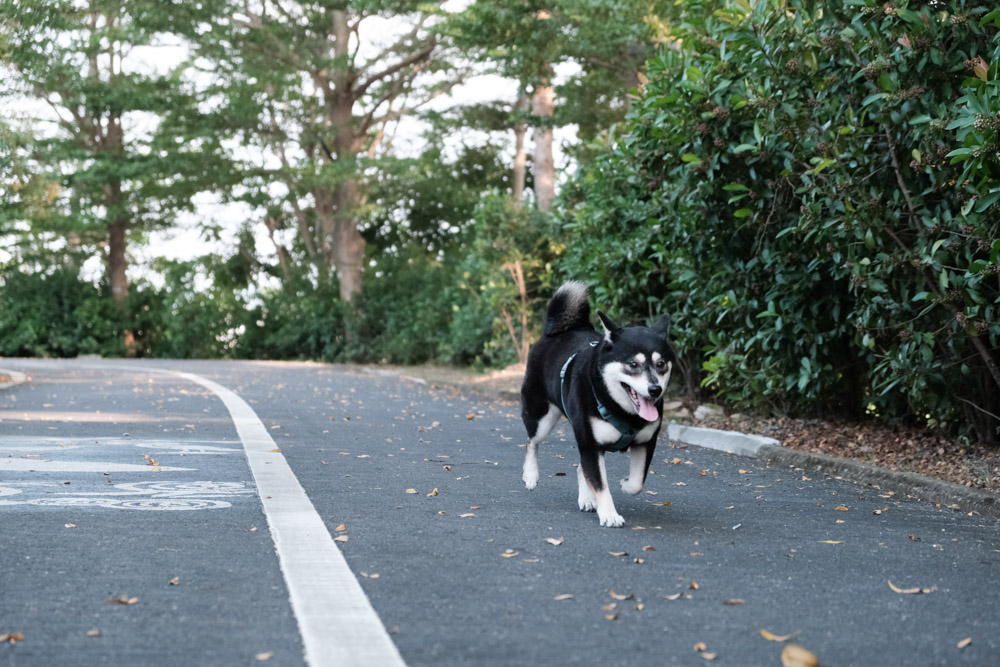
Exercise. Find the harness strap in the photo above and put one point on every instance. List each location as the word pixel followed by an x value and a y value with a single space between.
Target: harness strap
pixel 627 431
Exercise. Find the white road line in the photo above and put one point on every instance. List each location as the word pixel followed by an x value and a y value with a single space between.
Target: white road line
pixel 338 624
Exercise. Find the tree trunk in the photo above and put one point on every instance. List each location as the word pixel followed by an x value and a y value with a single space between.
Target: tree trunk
pixel 117 262
pixel 520 154
pixel 348 244
pixel 543 108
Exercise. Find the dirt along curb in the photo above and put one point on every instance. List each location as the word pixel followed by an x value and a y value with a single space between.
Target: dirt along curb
pixel 952 496
pixel 10 378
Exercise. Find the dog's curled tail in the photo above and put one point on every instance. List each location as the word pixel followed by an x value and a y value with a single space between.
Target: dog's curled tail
pixel 569 309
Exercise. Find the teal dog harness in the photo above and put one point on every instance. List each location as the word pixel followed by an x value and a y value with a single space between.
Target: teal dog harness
pixel 627 431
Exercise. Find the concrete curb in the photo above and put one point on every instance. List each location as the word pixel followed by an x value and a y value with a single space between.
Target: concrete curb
pixel 770 450
pixel 16 377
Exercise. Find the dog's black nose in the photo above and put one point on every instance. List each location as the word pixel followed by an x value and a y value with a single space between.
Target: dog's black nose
pixel 654 390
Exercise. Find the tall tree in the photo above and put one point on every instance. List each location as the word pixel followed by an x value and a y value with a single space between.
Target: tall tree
pixel 609 41
pixel 97 138
pixel 319 90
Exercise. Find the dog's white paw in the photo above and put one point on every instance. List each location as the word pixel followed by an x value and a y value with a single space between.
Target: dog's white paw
pixel 530 480
pixel 612 520
pixel 630 488
pixel 586 504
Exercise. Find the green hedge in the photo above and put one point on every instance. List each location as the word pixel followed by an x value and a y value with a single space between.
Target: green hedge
pixel 786 189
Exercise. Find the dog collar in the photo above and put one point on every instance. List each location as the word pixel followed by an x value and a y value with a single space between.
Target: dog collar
pixel 627 431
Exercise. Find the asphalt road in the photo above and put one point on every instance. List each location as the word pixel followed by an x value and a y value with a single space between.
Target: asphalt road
pixel 132 533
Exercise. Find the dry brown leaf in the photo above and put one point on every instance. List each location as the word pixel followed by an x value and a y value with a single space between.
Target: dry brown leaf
pixel 11 637
pixel 341 538
pixel 618 553
pixel 411 491
pixel 831 541
pixel 276 450
pixel 94 633
pixel 733 602
pixel 677 460
pixel 341 528
pixel 965 642
pixel 175 581
pixel 619 596
pixel 909 591
pixel 611 617
pixel 743 472
pixel 796 656
pixel 70 525
pixel 563 596
pixel 841 508
pixel 510 553
pixel 694 585
pixel 640 561
pixel 471 416
pixel 649 548
pixel 555 541
pixel 708 656
pixel 771 637
pixel 609 606
pixel 262 657
pixel 466 515
pixel 433 493
pixel 125 600
pixel 673 596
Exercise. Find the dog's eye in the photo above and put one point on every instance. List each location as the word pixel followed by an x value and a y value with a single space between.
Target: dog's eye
pixel 660 365
pixel 633 364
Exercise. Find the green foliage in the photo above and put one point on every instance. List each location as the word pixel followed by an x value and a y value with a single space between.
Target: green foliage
pixel 784 190
pixel 55 314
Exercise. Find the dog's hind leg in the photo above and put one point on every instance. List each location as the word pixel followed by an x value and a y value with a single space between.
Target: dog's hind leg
pixel 595 476
pixel 538 430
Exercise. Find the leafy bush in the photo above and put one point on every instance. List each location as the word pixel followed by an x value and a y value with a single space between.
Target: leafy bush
pixel 784 189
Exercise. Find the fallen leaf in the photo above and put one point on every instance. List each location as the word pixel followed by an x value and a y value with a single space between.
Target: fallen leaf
pixel 563 596
pixel 680 484
pixel 841 508
pixel 471 416
pixel 555 541
pixel 618 553
pixel 674 596
pixel 609 606
pixel 411 491
pixel 276 450
pixel 94 633
pixel 611 617
pixel 11 637
pixel 965 642
pixel 510 553
pixel 341 528
pixel 909 591
pixel 125 600
pixel 733 602
pixel 175 581
pixel 771 637
pixel 796 656
pixel 341 538
pixel 694 585
pixel 743 472
pixel 639 561
pixel 649 548
pixel 433 493
pixel 262 657
pixel 466 515
pixel 700 646
pixel 619 596
pixel 831 541
pixel 806 479
pixel 70 525
pixel 708 656
pixel 703 472
pixel 664 504
pixel 677 460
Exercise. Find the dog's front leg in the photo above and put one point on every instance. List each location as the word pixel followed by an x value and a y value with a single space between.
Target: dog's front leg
pixel 595 476
pixel 639 458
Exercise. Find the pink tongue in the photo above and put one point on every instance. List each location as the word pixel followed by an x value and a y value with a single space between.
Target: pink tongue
pixel 647 409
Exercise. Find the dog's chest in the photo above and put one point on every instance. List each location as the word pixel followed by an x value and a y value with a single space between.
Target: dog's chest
pixel 605 434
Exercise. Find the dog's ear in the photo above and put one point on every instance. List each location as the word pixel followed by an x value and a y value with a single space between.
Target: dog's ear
pixel 662 327
pixel 610 328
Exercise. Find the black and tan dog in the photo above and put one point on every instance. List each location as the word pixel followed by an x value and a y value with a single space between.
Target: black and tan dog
pixel 610 387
